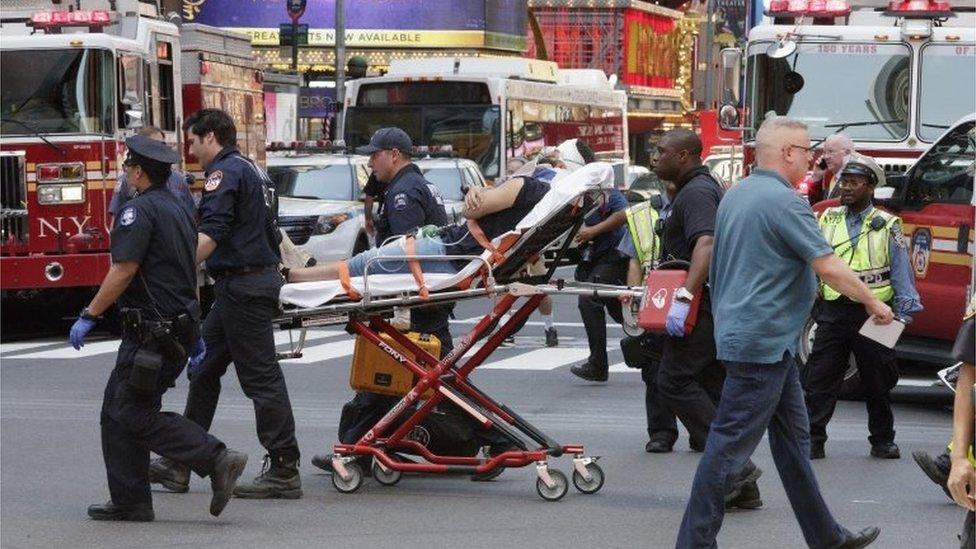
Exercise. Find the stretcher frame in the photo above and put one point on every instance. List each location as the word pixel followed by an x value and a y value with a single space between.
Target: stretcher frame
pixel 448 378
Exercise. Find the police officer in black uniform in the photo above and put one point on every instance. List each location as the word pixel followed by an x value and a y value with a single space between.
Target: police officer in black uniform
pixel 153 277
pixel 407 202
pixel 238 239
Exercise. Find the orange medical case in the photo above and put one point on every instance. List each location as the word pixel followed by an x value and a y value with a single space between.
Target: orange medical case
pixel 377 372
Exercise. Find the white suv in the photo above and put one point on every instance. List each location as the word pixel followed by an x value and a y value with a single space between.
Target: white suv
pixel 452 177
pixel 320 203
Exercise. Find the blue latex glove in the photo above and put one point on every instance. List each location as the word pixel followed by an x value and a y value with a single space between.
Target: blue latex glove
pixel 196 356
pixel 677 314
pixel 79 330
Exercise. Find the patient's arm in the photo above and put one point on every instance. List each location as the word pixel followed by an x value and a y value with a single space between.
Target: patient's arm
pixel 324 271
pixel 482 201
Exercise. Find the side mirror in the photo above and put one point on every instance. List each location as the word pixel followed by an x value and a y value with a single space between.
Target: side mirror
pixel 892 195
pixel 133 117
pixel 731 74
pixel 728 117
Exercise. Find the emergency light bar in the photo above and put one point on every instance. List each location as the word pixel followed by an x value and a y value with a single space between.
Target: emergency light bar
pixel 321 145
pixel 433 150
pixel 809 8
pixel 76 18
pixel 57 173
pixel 919 9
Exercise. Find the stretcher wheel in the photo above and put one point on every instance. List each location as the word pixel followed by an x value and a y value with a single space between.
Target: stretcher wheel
pixel 555 493
pixel 351 483
pixel 593 485
pixel 386 478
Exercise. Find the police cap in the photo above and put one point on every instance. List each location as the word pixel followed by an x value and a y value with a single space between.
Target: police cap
pixel 151 149
pixel 859 164
pixel 388 139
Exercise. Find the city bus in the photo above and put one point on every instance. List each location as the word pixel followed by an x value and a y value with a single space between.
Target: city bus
pixel 489 109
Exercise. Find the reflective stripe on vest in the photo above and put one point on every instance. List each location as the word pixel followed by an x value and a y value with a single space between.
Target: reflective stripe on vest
pixel 869 259
pixel 641 219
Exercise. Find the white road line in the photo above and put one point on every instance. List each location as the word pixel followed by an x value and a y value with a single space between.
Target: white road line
pixel 327 351
pixel 90 349
pixel 26 345
pixel 540 359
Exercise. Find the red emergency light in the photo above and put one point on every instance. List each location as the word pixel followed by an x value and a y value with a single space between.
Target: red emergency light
pixel 919 9
pixel 809 8
pixel 76 18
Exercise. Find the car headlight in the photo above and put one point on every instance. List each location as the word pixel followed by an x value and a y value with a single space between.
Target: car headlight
pixel 328 223
pixel 61 194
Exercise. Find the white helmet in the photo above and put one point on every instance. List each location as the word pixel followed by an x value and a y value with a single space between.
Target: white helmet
pixel 575 153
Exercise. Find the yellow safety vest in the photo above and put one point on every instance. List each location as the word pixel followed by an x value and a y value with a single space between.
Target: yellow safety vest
pixel 641 219
pixel 870 259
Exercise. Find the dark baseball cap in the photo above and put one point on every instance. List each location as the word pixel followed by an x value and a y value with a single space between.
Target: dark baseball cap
pixel 388 139
pixel 151 149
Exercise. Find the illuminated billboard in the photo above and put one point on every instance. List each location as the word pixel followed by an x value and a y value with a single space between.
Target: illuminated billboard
pixel 497 24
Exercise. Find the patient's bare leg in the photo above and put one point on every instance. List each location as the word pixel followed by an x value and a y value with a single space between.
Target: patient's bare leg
pixel 323 271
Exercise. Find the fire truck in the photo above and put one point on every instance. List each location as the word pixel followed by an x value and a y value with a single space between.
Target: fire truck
pixel 895 77
pixel 78 78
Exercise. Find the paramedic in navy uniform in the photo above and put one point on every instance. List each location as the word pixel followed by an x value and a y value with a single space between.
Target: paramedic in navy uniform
pixel 153 277
pixel 239 241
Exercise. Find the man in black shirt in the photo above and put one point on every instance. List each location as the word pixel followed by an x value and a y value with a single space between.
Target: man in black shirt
pixel 153 277
pixel 689 376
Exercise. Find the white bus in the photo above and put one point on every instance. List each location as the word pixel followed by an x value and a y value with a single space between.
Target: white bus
pixel 489 109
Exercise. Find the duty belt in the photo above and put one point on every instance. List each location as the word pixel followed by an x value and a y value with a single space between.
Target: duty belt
pixel 142 326
pixel 218 274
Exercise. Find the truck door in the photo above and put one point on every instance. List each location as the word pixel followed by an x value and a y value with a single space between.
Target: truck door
pixel 938 219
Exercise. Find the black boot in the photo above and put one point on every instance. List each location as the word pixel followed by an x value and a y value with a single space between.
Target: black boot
pixel 173 476
pixel 861 539
pixel 136 512
pixel 885 450
pixel 223 479
pixel 590 372
pixel 749 474
pixel 279 478
pixel 748 497
pixel 936 469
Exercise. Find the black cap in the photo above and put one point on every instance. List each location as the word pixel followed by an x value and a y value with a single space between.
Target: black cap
pixel 152 149
pixel 388 139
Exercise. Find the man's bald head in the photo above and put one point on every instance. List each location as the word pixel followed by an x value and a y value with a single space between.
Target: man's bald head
pixel 683 139
pixel 782 145
pixel 678 152
pixel 836 148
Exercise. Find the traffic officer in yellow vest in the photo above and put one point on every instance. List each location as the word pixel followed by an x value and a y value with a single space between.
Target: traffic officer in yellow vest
pixel 872 243
pixel 642 245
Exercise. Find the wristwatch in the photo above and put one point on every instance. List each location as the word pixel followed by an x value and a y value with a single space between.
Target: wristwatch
pixel 86 314
pixel 682 294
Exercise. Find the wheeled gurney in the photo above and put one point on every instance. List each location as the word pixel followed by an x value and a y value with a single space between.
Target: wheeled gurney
pixel 499 273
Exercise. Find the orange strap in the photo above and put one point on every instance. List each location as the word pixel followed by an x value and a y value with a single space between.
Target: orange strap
pixel 410 246
pixel 346 283
pixel 482 239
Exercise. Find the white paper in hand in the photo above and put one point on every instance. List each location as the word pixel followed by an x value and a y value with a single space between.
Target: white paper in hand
pixel 886 334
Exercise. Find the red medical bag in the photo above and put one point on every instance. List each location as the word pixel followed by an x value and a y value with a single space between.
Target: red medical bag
pixel 661 285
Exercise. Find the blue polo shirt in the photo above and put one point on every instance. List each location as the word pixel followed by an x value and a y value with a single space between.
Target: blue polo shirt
pixel 762 285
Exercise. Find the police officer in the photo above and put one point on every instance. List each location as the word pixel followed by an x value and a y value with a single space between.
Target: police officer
pixel 407 202
pixel 239 241
pixel 872 243
pixel 600 262
pixel 153 277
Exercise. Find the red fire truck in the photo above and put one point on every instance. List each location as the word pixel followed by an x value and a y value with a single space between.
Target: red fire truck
pixel 76 83
pixel 895 77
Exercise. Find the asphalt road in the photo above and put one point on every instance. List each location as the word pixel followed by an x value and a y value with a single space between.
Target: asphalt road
pixel 51 466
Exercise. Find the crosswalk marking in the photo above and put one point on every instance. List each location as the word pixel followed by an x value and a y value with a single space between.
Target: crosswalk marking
pixel 90 349
pixel 327 351
pixel 25 345
pixel 539 359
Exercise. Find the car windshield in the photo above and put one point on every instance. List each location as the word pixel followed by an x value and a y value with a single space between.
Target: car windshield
pixel 945 88
pixel 333 182
pixel 876 84
pixel 647 182
pixel 945 172
pixel 447 181
pixel 62 91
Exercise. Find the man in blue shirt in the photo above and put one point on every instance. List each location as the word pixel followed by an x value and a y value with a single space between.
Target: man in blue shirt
pixel 871 242
pixel 762 288
pixel 176 183
pixel 600 262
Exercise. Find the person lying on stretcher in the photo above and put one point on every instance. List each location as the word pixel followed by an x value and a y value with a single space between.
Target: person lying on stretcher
pixel 496 209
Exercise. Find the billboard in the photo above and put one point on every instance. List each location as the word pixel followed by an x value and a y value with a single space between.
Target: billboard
pixel 498 24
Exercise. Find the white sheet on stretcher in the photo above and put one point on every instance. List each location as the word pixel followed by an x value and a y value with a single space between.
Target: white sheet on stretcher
pixel 598 175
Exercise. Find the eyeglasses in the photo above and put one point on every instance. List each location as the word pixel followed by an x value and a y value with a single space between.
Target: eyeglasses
pixel 809 150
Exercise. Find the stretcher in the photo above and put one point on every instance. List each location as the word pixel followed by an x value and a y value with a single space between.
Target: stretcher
pixel 363 304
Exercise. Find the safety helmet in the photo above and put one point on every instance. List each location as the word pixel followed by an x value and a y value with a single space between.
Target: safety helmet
pixel 575 153
pixel 859 164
